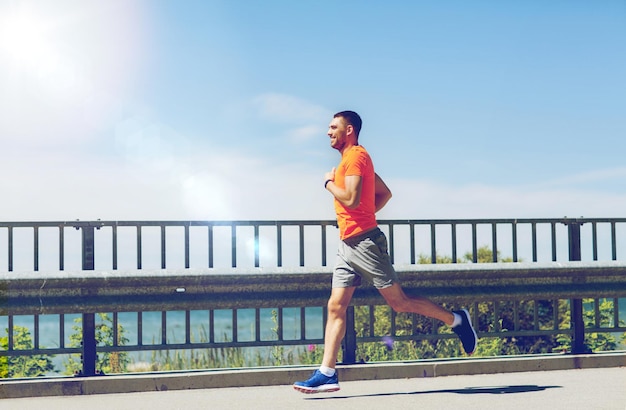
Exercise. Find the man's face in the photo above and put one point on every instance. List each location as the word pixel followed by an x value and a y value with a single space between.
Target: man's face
pixel 337 131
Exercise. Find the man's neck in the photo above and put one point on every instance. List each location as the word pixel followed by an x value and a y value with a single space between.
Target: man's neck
pixel 347 148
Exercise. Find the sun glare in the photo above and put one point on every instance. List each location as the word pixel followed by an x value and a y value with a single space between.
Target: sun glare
pixel 24 39
pixel 66 66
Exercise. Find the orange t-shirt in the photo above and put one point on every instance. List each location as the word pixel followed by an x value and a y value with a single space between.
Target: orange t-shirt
pixel 351 222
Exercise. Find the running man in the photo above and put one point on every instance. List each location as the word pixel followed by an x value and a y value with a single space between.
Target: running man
pixel 358 194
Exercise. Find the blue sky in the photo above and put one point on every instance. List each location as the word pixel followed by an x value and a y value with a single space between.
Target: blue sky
pixel 219 109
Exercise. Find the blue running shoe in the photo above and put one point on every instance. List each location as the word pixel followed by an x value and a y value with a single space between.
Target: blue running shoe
pixel 466 332
pixel 318 383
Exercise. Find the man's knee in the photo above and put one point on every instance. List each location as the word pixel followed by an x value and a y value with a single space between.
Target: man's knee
pixel 398 306
pixel 336 307
pixel 396 298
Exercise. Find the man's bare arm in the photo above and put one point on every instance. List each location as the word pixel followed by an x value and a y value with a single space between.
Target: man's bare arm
pixel 350 196
pixel 382 193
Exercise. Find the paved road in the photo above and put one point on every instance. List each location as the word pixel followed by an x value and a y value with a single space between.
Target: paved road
pixel 587 389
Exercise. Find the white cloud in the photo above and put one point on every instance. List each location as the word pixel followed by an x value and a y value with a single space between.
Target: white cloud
pixel 306 133
pixel 302 120
pixel 205 186
pixel 288 109
pixel 594 176
pixel 157 173
pixel 159 177
pixel 420 199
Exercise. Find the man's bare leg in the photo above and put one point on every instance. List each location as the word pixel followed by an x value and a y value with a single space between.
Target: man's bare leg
pixel 336 324
pixel 401 302
pixel 459 320
pixel 325 378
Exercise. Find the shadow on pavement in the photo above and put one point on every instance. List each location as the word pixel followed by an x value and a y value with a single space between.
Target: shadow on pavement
pixel 468 390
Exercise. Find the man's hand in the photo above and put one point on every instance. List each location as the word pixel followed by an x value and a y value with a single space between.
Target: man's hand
pixel 330 175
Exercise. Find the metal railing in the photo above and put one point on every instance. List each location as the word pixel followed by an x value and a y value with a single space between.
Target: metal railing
pixel 291 243
pixel 209 246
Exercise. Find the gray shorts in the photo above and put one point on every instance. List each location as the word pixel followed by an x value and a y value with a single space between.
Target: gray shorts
pixel 364 256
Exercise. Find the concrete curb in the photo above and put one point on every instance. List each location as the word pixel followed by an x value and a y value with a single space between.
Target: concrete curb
pixel 129 383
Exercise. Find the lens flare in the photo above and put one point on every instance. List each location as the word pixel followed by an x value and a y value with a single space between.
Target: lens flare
pixel 388 341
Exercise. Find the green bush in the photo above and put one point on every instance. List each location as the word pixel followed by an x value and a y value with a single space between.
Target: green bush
pixel 108 362
pixel 23 366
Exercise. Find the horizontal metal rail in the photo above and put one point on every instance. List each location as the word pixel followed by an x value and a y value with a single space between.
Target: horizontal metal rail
pixel 239 288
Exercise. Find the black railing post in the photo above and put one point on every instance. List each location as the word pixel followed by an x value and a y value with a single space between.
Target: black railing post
pixel 89 356
pixel 349 341
pixel 577 320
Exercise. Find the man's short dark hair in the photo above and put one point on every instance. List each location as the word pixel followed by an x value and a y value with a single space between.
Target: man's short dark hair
pixel 351 118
